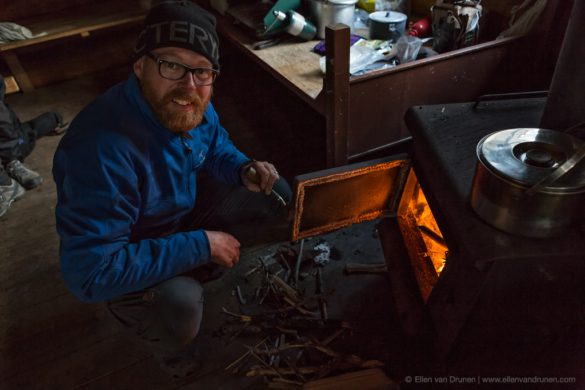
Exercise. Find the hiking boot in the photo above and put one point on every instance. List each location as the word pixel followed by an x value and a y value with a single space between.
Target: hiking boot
pixel 28 178
pixel 9 194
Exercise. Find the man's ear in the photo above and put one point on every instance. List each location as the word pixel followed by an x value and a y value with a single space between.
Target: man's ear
pixel 138 67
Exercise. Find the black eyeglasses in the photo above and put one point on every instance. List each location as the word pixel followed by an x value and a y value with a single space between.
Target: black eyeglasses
pixel 175 71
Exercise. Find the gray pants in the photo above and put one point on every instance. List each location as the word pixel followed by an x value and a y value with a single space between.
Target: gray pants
pixel 167 316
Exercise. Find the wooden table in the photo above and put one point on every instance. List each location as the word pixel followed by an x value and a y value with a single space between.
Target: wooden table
pixel 292 62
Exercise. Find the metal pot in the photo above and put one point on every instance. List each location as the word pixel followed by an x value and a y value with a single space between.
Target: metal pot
pixel 387 25
pixel 326 12
pixel 529 181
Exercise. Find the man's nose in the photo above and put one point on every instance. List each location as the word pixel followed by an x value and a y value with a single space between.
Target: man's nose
pixel 189 80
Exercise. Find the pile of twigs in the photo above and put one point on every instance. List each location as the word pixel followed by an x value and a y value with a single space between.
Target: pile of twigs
pixel 298 332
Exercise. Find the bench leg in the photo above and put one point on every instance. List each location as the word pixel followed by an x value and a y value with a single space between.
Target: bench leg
pixel 18 71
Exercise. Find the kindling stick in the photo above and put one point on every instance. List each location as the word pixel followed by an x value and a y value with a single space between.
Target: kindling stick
pixel 298 264
pixel 245 355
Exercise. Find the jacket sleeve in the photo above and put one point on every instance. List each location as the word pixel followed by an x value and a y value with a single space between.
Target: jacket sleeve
pixel 224 160
pixel 98 203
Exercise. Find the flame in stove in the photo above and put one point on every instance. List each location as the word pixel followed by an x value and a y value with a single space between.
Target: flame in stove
pixel 426 224
pixel 424 241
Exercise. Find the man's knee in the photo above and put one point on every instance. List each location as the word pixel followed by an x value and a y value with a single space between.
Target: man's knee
pixel 179 302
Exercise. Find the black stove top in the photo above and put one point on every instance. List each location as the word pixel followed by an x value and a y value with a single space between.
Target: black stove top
pixel 444 144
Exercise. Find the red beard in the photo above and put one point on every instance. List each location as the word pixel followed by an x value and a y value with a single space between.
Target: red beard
pixel 174 120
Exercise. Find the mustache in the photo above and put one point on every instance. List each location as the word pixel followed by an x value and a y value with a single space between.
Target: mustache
pixel 182 95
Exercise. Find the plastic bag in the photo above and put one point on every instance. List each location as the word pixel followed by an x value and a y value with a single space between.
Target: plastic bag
pixel 364 53
pixel 362 56
pixel 359 58
pixel 407 48
pixel 13 32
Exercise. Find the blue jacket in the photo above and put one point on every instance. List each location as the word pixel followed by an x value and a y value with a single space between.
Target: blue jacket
pixel 124 185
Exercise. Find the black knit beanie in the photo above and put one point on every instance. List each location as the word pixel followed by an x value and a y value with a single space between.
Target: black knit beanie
pixel 179 24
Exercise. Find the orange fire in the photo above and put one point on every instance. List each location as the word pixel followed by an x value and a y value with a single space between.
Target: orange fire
pixel 425 244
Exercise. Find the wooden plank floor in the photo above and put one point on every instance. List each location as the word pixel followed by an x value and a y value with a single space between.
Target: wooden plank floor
pixel 49 340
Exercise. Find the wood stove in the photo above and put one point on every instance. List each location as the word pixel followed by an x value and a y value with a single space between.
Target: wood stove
pixel 486 302
pixel 504 304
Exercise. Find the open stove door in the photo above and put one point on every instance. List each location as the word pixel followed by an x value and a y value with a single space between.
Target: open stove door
pixel 338 197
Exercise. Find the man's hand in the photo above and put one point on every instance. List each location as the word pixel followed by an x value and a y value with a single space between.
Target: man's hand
pixel 225 249
pixel 259 176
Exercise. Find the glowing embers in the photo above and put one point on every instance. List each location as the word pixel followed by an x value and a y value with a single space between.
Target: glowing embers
pixel 423 239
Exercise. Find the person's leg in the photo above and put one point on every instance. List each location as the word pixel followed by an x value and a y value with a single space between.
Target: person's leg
pixel 34 129
pixel 31 130
pixel 43 124
pixel 5 180
pixel 165 317
pixel 251 217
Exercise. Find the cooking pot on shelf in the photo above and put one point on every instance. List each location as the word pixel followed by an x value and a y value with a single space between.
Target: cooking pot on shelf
pixel 326 12
pixel 386 25
pixel 530 181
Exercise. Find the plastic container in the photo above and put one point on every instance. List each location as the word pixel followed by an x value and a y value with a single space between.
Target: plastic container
pixel 368 5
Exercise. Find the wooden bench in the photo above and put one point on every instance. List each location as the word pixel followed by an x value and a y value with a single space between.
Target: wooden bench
pixel 75 21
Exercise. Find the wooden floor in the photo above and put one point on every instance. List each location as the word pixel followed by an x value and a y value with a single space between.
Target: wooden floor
pixel 49 340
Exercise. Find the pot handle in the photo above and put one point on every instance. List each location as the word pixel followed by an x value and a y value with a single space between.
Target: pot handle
pixel 557 173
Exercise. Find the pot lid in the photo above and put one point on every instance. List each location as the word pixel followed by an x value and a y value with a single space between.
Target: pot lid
pixel 387 17
pixel 528 156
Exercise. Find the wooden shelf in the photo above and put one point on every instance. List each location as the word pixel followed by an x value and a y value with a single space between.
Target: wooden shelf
pixel 71 22
pixel 78 21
